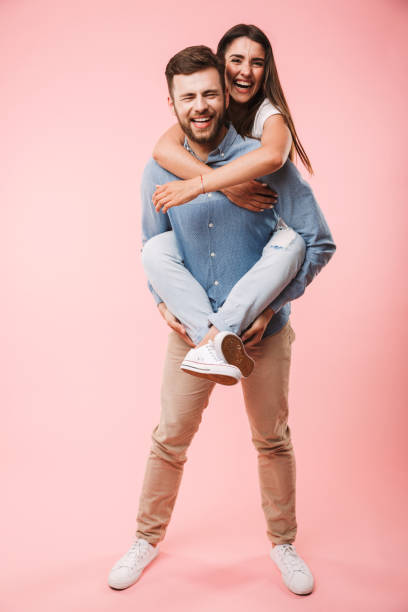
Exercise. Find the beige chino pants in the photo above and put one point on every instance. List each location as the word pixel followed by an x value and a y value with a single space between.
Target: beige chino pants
pixel 184 397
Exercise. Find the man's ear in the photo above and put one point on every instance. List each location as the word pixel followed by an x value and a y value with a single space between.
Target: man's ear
pixel 170 102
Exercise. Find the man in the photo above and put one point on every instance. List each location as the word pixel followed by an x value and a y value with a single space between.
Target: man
pixel 196 85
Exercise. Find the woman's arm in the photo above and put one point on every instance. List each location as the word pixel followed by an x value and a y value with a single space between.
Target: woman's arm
pixel 275 147
pixel 169 152
pixel 272 154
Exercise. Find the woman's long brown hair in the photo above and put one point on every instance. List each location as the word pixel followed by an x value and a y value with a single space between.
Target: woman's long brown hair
pixel 271 88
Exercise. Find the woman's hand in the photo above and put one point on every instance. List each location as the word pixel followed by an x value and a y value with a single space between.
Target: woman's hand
pixel 174 323
pixel 176 193
pixel 254 334
pixel 252 195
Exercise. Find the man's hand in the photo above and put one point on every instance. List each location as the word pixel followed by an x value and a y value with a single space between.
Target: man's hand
pixel 174 323
pixel 251 195
pixel 254 334
pixel 176 193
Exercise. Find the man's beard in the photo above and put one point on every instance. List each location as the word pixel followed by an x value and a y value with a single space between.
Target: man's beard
pixel 205 138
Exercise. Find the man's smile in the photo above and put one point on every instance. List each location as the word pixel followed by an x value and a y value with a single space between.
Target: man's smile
pixel 201 122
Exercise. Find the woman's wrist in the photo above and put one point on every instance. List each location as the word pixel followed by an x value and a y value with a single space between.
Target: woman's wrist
pixel 196 184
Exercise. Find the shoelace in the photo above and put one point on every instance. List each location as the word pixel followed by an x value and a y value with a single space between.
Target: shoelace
pixel 290 559
pixel 135 553
pixel 211 352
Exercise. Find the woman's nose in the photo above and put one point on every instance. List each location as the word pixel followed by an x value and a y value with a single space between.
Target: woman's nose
pixel 245 69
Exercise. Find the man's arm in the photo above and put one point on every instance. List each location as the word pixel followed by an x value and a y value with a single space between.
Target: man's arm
pixel 153 222
pixel 304 215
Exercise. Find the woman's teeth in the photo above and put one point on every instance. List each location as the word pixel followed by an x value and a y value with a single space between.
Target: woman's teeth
pixel 242 84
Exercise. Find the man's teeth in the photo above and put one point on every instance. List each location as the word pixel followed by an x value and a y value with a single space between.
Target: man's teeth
pixel 203 120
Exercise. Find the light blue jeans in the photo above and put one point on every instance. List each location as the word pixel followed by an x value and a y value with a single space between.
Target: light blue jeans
pixel 281 259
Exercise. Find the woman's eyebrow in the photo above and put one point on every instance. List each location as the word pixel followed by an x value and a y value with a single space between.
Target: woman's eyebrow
pixel 242 57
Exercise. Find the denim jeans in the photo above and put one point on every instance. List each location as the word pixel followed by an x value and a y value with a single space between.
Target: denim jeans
pixel 183 295
pixel 183 401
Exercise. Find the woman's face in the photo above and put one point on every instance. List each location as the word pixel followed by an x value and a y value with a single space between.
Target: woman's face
pixel 244 68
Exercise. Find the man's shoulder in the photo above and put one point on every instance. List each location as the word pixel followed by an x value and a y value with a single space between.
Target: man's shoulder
pixel 153 172
pixel 244 144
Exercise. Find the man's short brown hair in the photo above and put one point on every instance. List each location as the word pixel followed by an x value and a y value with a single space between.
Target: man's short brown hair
pixel 191 60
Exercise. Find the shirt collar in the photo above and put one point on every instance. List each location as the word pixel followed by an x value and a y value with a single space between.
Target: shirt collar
pixel 222 148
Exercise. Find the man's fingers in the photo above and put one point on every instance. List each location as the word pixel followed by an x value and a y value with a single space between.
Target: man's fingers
pixel 249 333
pixel 174 324
pixel 181 331
pixel 254 340
pixel 252 335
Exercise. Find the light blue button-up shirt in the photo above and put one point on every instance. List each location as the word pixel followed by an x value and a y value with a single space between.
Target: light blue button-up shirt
pixel 220 241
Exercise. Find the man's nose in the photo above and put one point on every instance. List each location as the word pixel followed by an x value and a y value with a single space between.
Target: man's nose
pixel 200 104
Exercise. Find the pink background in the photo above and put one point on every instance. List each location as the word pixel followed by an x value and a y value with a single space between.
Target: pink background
pixel 83 99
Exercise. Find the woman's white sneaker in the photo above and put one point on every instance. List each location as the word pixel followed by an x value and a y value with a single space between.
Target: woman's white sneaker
pixel 230 347
pixel 128 569
pixel 205 362
pixel 295 573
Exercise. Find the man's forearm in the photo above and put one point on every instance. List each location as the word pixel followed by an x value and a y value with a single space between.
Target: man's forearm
pixel 316 258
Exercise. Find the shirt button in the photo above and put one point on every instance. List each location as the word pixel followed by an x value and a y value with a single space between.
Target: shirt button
pixel 211 225
pixel 216 283
pixel 212 254
pixel 222 154
pixel 209 195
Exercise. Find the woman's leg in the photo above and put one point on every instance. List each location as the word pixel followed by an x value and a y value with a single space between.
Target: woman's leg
pixel 179 290
pixel 281 260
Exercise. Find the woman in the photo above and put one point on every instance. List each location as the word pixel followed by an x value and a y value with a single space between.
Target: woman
pixel 257 108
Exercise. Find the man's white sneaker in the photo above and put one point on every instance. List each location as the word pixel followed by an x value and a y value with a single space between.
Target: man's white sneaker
pixel 230 347
pixel 295 573
pixel 205 362
pixel 128 569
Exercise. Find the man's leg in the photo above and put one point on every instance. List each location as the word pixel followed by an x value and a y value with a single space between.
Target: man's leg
pixel 266 400
pixel 184 398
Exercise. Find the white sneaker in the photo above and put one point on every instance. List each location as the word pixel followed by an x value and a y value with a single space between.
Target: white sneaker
pixel 205 362
pixel 295 573
pixel 230 347
pixel 129 567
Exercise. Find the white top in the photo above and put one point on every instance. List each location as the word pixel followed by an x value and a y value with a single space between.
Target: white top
pixel 264 111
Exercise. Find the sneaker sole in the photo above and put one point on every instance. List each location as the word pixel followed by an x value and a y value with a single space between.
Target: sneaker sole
pixel 235 354
pixel 222 379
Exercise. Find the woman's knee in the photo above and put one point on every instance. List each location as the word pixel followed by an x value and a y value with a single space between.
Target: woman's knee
pixel 157 249
pixel 289 243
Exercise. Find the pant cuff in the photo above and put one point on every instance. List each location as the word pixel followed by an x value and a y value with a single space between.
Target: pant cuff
pixel 217 319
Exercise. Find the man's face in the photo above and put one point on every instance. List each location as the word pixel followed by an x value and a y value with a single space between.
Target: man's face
pixel 199 104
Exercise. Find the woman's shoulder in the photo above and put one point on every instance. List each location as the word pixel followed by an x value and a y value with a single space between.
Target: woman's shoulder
pixel 265 110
